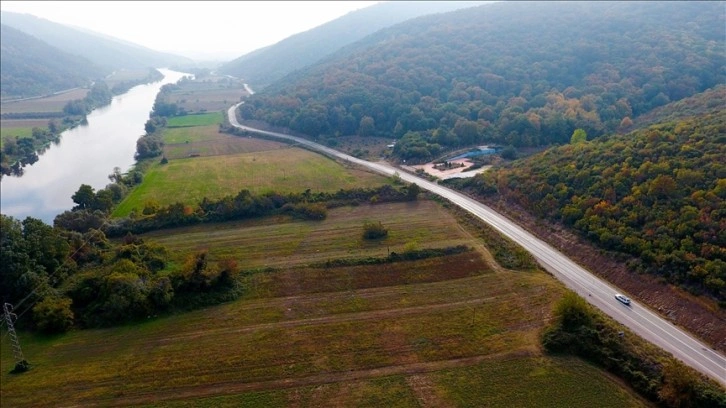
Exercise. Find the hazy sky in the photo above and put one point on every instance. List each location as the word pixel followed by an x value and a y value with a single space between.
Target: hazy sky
pixel 223 29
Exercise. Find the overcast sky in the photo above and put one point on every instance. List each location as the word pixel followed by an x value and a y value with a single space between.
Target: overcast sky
pixel 197 29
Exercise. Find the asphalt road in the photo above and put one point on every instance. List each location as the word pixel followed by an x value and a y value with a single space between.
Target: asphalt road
pixel 597 292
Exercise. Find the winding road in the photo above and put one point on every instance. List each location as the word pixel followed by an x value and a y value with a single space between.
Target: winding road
pixel 597 292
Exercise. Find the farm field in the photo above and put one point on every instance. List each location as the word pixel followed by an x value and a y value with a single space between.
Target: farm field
pixel 53 103
pixel 20 128
pixel 210 94
pixel 455 330
pixel 200 119
pixel 279 241
pixel 223 165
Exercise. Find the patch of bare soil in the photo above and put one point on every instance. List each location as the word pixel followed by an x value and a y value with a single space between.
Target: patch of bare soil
pixel 456 168
pixel 699 316
pixel 425 391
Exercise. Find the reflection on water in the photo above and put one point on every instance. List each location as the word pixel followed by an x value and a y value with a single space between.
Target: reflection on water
pixel 86 154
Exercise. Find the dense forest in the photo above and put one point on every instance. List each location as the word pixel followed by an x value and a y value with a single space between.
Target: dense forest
pixel 521 74
pixel 267 65
pixel 30 67
pixel 657 194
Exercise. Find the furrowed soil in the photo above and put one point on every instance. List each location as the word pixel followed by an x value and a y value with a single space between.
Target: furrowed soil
pixel 446 331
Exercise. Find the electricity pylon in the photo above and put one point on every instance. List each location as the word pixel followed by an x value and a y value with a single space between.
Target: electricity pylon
pixel 20 363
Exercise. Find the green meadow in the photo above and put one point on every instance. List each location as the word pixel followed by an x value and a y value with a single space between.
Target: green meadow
pixel 201 119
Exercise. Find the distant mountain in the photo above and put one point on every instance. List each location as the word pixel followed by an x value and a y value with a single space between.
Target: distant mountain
pixel 512 73
pixel 31 67
pixel 102 50
pixel 266 65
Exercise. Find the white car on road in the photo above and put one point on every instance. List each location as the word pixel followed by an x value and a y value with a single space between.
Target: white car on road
pixel 623 299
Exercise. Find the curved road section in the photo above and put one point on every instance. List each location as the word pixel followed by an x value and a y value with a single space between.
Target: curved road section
pixel 599 293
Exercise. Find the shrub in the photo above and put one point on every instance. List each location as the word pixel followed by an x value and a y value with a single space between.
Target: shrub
pixel 371 230
pixel 53 315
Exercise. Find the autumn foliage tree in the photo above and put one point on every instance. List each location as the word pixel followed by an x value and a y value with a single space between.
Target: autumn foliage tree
pixel 657 194
pixel 469 77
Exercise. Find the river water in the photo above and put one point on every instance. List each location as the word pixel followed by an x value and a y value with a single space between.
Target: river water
pixel 86 154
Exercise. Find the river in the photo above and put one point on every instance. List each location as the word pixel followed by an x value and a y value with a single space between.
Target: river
pixel 86 154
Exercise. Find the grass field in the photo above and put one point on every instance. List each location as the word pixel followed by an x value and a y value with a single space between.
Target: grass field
pixel 217 173
pixel 201 119
pixel 448 331
pixel 20 128
pixel 283 242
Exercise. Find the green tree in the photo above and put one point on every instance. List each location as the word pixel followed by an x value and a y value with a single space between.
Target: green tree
pixel 413 191
pixel 578 136
pixel 509 153
pixel 367 126
pixel 573 311
pixel 53 315
pixel 84 197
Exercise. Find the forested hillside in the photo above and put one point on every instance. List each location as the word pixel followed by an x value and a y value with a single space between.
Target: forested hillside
pixel 710 101
pixel 658 194
pixel 524 74
pixel 269 64
pixel 104 51
pixel 30 67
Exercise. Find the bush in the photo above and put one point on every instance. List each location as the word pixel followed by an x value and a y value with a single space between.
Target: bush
pixel 53 315
pixel 371 230
pixel 307 211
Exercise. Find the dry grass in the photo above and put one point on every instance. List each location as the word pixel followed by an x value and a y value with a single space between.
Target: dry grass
pixel 260 244
pixel 199 96
pixel 52 103
pixel 184 142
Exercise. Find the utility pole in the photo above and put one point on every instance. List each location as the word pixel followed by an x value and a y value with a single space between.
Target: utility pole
pixel 20 364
